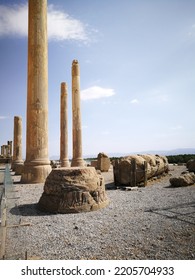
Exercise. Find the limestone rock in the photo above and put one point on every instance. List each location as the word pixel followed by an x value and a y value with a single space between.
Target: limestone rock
pixel 191 165
pixel 123 168
pixel 186 179
pixel 73 190
pixel 103 162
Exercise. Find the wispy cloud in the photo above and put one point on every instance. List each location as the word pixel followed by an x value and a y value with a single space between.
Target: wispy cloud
pixel 61 26
pixel 176 127
pixel 159 95
pixel 96 92
pixel 134 101
pixel 13 20
pixel 191 33
pixel 105 132
pixel 84 126
pixel 3 117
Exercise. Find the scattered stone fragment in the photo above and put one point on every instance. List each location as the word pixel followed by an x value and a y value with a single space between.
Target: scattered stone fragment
pixel 186 179
pixel 191 165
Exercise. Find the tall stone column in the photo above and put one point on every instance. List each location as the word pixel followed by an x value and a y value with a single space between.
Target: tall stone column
pixel 17 161
pixel 9 145
pixel 3 151
pixel 77 159
pixel 64 126
pixel 37 164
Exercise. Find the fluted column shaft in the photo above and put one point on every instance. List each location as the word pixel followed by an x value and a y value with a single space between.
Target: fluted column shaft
pixel 37 164
pixel 64 126
pixel 77 159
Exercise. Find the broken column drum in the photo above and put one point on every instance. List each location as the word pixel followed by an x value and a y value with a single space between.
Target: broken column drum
pixel 73 190
pixel 77 159
pixel 64 127
pixel 37 164
pixel 17 162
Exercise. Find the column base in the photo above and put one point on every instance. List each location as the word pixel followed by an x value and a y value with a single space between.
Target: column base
pixel 78 162
pixel 33 174
pixel 65 163
pixel 18 168
pixel 73 190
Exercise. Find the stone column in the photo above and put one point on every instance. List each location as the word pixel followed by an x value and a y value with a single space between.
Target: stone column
pixel 3 151
pixel 9 143
pixel 37 164
pixel 17 161
pixel 64 127
pixel 77 159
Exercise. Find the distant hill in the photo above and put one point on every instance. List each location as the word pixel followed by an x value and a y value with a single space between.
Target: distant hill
pixel 179 151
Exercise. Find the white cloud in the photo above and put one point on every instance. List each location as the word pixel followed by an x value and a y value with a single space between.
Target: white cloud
pixel 84 126
pixel 96 92
pixel 13 20
pixel 134 101
pixel 61 26
pixel 159 95
pixel 3 117
pixel 191 33
pixel 106 132
pixel 177 127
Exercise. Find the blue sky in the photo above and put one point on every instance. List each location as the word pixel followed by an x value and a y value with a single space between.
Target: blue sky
pixel 137 64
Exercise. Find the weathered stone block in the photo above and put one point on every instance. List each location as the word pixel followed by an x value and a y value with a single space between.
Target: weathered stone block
pixel 125 173
pixel 73 190
pixel 191 165
pixel 183 180
pixel 103 162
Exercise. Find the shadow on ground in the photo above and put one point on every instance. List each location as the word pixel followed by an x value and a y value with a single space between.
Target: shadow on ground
pixel 28 210
pixel 184 212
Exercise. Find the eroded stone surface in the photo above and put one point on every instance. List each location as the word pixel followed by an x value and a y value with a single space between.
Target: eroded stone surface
pixel 184 180
pixel 73 190
pixel 123 171
pixel 191 165
pixel 103 162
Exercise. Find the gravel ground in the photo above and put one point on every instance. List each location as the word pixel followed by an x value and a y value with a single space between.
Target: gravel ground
pixel 155 222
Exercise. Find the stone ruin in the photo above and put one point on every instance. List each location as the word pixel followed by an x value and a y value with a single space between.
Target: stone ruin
pixel 6 152
pixel 73 190
pixel 187 177
pixel 102 163
pixel 77 188
pixel 136 169
pixel 66 190
pixel 191 165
